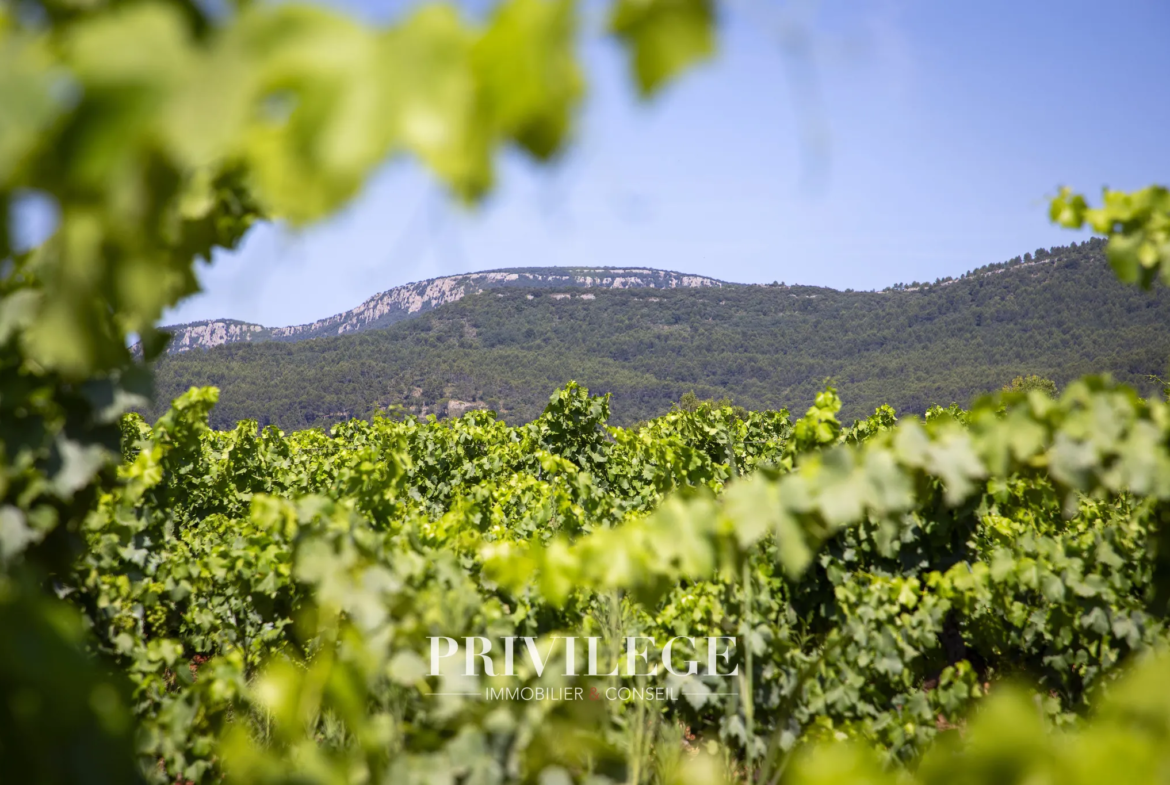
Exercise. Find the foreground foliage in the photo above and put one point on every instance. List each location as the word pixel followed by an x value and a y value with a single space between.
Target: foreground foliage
pixel 156 132
pixel 269 597
pixel 252 606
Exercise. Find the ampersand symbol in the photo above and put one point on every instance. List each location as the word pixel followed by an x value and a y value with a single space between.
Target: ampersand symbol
pixel 594 694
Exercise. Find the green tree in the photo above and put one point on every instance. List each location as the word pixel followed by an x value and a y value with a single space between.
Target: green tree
pixel 1032 382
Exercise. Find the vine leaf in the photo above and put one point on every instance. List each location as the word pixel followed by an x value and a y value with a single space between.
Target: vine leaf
pixel 665 37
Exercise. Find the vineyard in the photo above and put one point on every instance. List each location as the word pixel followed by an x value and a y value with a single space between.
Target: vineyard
pixel 977 596
pixel 269 598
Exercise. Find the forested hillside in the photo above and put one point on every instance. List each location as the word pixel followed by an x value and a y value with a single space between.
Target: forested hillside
pixel 1060 315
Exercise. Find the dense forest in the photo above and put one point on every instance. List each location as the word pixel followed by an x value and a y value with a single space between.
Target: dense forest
pixel 1059 313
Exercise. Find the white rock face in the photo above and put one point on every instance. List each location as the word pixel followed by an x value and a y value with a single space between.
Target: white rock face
pixel 208 334
pixel 402 302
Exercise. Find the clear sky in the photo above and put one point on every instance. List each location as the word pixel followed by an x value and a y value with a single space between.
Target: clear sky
pixel 847 144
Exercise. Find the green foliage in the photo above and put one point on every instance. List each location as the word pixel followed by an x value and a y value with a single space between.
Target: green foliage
pixel 1164 386
pixel 689 402
pixel 1137 224
pixel 269 596
pixel 63 718
pixel 161 131
pixel 249 606
pixel 664 36
pixel 1032 382
pixel 1009 741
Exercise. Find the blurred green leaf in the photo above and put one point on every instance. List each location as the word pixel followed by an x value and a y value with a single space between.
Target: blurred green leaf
pixel 664 37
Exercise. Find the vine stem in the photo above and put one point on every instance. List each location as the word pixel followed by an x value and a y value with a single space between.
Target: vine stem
pixel 746 691
pixel 745 679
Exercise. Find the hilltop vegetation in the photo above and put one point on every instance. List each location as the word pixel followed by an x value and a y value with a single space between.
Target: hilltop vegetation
pixel 1060 315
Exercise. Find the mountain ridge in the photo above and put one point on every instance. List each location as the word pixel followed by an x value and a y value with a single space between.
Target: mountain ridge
pixel 412 299
pixel 1061 315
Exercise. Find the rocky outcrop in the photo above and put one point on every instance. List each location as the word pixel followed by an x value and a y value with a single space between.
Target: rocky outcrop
pixel 403 302
pixel 205 334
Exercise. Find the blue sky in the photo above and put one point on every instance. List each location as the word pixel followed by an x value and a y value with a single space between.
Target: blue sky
pixel 911 140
